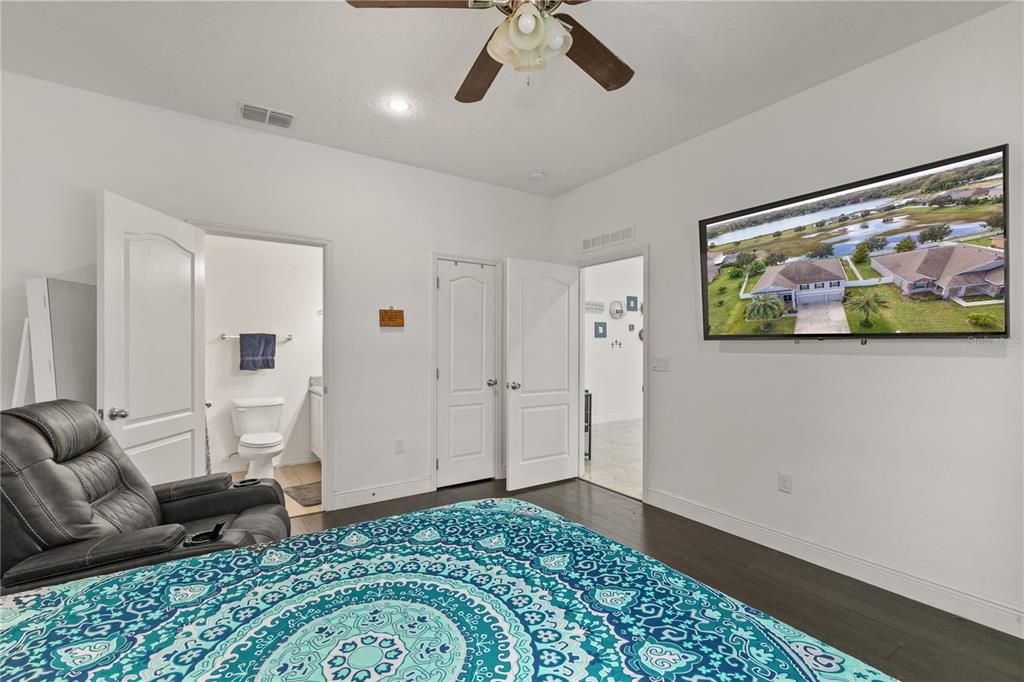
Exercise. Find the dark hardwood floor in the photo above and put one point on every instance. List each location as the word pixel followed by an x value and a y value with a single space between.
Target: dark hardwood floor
pixel 901 637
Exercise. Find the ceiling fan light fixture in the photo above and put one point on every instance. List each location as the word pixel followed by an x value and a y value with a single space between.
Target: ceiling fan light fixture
pixel 529 60
pixel 499 48
pixel 526 30
pixel 557 40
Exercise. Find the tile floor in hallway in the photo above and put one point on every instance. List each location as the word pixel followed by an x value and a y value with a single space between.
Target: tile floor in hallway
pixel 616 456
pixel 290 475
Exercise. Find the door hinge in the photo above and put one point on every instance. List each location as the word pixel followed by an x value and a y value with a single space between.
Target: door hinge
pixel 437 282
pixel 437 373
pixel 437 465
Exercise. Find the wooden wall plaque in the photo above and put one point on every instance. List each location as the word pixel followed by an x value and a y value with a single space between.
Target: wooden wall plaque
pixel 391 317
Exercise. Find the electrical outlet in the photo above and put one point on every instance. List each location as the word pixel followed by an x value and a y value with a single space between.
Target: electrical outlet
pixel 785 483
pixel 661 363
pixel 399 446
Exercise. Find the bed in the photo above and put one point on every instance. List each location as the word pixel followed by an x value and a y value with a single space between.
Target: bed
pixel 492 589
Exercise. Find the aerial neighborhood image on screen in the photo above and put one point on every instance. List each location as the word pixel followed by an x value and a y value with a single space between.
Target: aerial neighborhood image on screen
pixel 920 252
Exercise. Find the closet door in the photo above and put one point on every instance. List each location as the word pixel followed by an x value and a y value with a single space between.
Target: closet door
pixel 150 330
pixel 467 379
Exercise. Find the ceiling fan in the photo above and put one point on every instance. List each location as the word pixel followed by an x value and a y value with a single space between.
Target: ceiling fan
pixel 530 35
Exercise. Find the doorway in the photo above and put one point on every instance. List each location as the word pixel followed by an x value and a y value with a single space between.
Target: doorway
pixel 161 311
pixel 613 375
pixel 265 415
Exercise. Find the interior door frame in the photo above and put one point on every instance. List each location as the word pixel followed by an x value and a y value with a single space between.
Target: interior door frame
pixel 611 256
pixel 328 460
pixel 500 463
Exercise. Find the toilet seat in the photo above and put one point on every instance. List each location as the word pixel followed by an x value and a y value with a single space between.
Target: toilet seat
pixel 261 440
pixel 259 449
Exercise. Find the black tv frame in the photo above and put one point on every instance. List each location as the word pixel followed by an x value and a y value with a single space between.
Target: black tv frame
pixel 703 226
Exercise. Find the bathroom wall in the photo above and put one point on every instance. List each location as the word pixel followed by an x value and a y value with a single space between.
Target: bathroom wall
pixel 260 286
pixel 615 375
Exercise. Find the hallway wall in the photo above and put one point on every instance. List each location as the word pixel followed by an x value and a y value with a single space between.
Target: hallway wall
pixel 614 374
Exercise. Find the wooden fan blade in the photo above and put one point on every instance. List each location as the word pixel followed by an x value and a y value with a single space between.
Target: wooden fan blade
pixel 591 55
pixel 406 4
pixel 574 2
pixel 479 78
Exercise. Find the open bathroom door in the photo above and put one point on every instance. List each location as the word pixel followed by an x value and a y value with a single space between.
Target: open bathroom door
pixel 542 372
pixel 150 328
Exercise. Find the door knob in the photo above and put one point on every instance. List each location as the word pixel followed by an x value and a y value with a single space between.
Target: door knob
pixel 492 382
pixel 117 413
pixel 515 385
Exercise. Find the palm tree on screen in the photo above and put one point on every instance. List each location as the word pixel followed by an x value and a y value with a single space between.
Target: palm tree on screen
pixel 868 303
pixel 766 308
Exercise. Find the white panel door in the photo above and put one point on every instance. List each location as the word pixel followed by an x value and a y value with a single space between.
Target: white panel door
pixel 467 377
pixel 542 372
pixel 150 337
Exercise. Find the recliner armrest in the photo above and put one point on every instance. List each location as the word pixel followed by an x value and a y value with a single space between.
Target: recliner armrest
pixel 234 499
pixel 95 552
pixel 190 487
pixel 22 580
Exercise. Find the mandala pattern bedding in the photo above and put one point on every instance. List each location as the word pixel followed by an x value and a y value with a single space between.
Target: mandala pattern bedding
pixel 487 590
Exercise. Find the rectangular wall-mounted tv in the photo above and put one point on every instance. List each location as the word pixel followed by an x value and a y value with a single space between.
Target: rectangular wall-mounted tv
pixel 920 252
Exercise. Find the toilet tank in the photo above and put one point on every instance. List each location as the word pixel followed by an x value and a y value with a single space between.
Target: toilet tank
pixel 256 415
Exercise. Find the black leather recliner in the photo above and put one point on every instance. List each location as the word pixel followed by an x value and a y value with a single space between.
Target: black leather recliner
pixel 74 505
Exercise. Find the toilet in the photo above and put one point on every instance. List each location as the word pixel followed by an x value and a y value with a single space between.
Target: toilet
pixel 256 422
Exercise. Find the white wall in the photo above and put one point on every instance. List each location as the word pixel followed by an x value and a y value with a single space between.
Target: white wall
pixel 61 145
pixel 615 376
pixel 906 455
pixel 260 286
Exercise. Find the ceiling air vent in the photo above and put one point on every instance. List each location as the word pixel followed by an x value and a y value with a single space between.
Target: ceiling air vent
pixel 265 115
pixel 608 239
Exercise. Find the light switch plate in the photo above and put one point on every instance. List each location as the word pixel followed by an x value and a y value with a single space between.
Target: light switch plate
pixel 661 363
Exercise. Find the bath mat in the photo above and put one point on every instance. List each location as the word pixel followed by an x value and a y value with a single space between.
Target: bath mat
pixel 307 495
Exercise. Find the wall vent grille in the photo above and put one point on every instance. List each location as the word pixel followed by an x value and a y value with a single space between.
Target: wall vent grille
pixel 608 239
pixel 279 119
pixel 265 115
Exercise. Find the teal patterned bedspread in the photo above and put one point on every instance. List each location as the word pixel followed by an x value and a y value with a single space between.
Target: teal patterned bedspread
pixel 486 590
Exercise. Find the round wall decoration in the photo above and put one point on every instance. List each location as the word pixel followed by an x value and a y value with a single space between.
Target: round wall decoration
pixel 616 309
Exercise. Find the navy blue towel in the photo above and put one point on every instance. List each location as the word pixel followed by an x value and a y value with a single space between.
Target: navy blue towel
pixel 257 351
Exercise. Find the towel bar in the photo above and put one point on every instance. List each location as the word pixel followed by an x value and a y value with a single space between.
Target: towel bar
pixel 290 337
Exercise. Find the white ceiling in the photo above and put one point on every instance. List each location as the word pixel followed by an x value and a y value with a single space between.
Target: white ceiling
pixel 698 66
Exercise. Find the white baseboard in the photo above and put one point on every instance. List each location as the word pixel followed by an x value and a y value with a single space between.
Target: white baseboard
pixel 978 608
pixel 230 465
pixel 290 460
pixel 354 498
pixel 235 464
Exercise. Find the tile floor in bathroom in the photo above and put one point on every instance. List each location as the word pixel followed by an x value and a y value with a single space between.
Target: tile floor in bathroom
pixel 294 474
pixel 616 457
